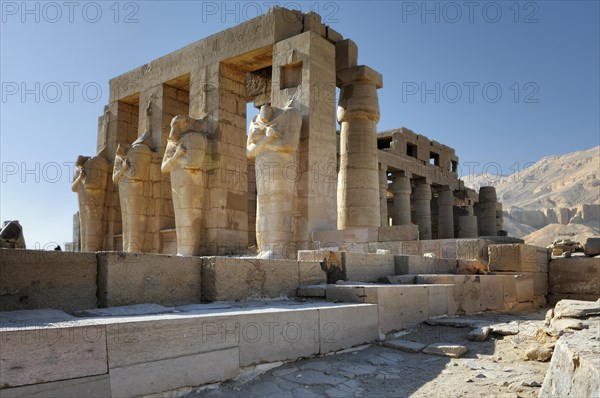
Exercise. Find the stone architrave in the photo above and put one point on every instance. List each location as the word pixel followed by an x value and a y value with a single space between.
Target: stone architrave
pixel 273 142
pixel 184 159
pixel 131 172
pixel 90 179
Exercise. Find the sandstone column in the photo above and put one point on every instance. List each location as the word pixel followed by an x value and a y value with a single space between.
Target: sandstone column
pixel 486 212
pixel 467 225
pixel 184 159
pixel 383 185
pixel 273 142
pixel 132 172
pixel 401 189
pixel 358 180
pixel 422 200
pixel 445 214
pixel 90 183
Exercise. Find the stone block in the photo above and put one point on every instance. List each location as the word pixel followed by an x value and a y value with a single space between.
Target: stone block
pixel 524 287
pixel 345 326
pixel 518 258
pixel 555 298
pixel 396 233
pixel 592 246
pixel 349 294
pixel 328 238
pixel 440 248
pixel 92 387
pixel 492 292
pixel 509 287
pixel 311 291
pixel 278 335
pixel 409 279
pixel 575 275
pixel 575 367
pixel 401 306
pixel 346 54
pixel 311 272
pixel 438 299
pixel 367 267
pixel 168 374
pixel 135 278
pixel 540 283
pixel 159 337
pixel 408 264
pixel 235 278
pixel 361 234
pixel 32 279
pixel 31 354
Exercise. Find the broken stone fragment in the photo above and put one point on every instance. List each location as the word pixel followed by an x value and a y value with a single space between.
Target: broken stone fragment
pixel 540 354
pixel 480 333
pixel 446 350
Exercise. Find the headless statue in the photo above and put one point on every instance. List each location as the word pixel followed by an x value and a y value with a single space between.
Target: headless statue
pixel 273 142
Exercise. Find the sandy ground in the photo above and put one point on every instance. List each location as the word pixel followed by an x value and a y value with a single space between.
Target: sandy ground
pixel 493 368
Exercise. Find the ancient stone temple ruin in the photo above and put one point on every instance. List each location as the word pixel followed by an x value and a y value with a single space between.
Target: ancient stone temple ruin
pixel 210 241
pixel 189 178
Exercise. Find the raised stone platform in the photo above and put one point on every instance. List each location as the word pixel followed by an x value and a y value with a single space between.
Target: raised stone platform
pixel 106 353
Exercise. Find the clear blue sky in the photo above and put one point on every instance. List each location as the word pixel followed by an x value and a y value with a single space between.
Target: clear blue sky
pixel 444 66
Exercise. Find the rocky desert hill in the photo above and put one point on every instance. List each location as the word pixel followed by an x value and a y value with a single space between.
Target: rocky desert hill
pixel 556 197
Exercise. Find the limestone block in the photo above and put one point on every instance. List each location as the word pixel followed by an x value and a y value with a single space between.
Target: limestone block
pixel 555 298
pixel 346 326
pixel 346 54
pixel 361 234
pixel 540 283
pixel 575 366
pixel 524 287
pixel 438 299
pixel 328 238
pixel 466 293
pixel 47 279
pixel 401 306
pixel 440 248
pixel 492 292
pixel 518 258
pixel 311 272
pixel 168 374
pixel 367 267
pixel 398 233
pixel 407 264
pixel 231 278
pixel 278 335
pixel 311 291
pixel 575 275
pixel 350 294
pixel 592 246
pixel 446 350
pixel 92 386
pixel 135 278
pixel 160 337
pixel 30 354
pixel 409 279
pixel 509 287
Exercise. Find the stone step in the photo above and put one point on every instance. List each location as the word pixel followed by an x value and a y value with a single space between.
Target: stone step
pixel 115 353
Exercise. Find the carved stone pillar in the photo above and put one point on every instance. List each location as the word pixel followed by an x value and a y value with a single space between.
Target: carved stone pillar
pixel 90 182
pixel 358 180
pixel 273 142
pixel 445 214
pixel 184 159
pixel 422 200
pixel 383 185
pixel 401 188
pixel 467 225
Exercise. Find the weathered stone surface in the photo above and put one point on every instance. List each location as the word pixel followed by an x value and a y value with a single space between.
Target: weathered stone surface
pixel 480 333
pixel 575 367
pixel 538 353
pixel 47 279
pixel 446 350
pixel 346 326
pixel 310 272
pixel 518 258
pixel 136 309
pixel 168 374
pixel 30 354
pixel 397 233
pixel 136 278
pixel 401 279
pixel 231 278
pixel 576 309
pixel 576 275
pixel 524 287
pixel 471 266
pixel 405 345
pixel 492 292
pixel 367 267
pixel 311 291
pixel 408 264
pixel 592 246
pixel 92 386
pixel 278 335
